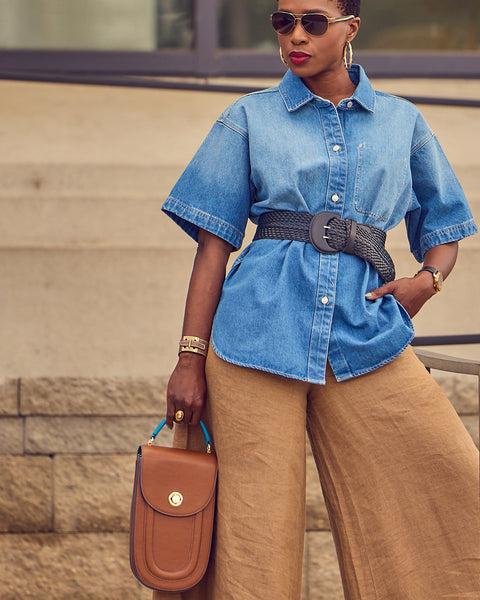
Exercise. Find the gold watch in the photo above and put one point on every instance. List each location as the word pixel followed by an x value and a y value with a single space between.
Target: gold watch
pixel 437 277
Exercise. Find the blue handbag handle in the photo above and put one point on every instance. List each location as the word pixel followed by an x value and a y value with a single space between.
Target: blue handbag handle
pixel 208 441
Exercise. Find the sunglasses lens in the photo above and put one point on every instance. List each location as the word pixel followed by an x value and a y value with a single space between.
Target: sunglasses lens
pixel 315 24
pixel 283 22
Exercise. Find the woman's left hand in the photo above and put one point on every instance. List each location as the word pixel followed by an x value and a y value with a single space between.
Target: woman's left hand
pixel 411 292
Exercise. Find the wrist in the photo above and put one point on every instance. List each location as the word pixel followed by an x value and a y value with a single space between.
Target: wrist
pixel 437 277
pixel 425 282
pixel 190 366
pixel 191 358
pixel 192 344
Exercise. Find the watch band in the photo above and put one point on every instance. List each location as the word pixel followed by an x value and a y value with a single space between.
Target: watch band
pixel 437 277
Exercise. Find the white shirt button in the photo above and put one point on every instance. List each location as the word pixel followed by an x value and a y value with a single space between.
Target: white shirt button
pixel 336 148
pixel 325 300
pixel 335 198
pixel 349 104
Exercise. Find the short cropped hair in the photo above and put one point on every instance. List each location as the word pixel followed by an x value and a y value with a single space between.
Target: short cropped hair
pixel 349 7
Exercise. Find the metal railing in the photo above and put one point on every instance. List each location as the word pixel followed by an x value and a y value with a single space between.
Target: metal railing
pixel 446 340
pixel 200 85
pixel 443 362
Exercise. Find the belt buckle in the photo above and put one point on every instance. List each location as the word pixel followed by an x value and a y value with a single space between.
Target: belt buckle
pixel 317 230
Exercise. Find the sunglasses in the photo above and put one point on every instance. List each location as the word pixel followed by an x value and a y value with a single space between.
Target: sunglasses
pixel 314 23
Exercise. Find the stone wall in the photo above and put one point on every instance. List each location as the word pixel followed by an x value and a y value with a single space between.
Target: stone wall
pixel 67 454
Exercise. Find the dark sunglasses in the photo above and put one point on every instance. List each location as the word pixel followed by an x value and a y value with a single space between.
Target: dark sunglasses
pixel 314 23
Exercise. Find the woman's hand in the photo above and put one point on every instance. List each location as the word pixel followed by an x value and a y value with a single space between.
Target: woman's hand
pixel 187 389
pixel 411 292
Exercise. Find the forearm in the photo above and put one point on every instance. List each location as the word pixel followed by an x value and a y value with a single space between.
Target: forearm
pixel 442 258
pixel 206 283
pixel 187 387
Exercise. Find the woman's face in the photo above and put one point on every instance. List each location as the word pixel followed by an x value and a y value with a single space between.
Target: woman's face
pixel 309 56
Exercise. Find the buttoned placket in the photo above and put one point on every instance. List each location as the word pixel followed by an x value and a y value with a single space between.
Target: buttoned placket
pixel 328 267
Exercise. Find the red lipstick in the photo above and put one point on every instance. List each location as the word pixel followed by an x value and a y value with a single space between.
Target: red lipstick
pixel 299 58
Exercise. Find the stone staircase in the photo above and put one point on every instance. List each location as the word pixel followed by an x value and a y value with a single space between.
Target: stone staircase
pixel 93 286
pixel 94 275
pixel 87 269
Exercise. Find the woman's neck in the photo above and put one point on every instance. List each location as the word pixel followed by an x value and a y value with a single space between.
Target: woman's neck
pixel 332 85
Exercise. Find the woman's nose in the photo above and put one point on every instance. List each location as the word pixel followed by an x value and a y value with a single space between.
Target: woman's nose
pixel 298 34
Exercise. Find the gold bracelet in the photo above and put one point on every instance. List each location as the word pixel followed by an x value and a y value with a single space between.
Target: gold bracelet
pixel 192 343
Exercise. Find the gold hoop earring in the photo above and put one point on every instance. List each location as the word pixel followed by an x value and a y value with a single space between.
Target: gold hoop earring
pixel 282 57
pixel 347 49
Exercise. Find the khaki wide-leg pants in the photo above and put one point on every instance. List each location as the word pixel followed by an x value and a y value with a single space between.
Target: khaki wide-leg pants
pixel 398 470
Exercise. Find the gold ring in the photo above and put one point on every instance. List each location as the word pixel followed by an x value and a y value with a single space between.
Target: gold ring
pixel 179 416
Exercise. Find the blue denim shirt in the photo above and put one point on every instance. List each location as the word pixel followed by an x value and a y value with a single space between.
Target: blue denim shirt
pixel 285 308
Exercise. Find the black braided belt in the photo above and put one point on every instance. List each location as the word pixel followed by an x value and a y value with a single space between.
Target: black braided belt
pixel 329 233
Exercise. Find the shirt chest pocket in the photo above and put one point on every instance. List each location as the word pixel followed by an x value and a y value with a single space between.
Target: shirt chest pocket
pixel 380 179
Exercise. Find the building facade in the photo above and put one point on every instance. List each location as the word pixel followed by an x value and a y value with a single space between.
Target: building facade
pixel 226 37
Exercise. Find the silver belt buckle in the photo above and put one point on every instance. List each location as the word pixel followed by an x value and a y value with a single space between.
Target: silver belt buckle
pixel 318 231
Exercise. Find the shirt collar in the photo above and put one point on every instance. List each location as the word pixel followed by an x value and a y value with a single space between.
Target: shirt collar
pixel 295 93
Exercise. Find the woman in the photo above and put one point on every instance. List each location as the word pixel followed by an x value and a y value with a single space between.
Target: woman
pixel 306 337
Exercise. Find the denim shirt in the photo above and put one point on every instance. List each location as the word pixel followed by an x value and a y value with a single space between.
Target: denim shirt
pixel 285 308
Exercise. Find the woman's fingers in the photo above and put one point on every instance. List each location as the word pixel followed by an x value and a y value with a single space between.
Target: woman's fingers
pixel 186 392
pixel 181 409
pixel 380 291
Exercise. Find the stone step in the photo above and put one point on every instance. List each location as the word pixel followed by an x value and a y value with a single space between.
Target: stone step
pixel 118 312
pixel 91 312
pixel 90 178
pixel 117 219
pixel 130 178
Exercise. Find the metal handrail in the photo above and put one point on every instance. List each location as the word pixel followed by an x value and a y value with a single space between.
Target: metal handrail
pixel 199 86
pixel 442 362
pixel 446 340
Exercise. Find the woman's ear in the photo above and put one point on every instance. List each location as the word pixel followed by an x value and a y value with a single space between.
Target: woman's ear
pixel 353 25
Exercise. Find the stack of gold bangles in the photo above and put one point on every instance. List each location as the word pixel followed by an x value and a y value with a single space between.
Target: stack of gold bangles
pixel 192 343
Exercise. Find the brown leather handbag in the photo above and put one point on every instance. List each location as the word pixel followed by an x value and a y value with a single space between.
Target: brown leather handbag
pixel 172 515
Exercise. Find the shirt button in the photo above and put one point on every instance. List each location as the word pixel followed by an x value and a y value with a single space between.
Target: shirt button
pixel 325 300
pixel 336 148
pixel 335 197
pixel 349 104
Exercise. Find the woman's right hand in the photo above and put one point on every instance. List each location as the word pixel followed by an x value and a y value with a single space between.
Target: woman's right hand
pixel 187 389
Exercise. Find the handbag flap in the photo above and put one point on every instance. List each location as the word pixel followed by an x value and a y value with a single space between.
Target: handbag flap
pixel 177 482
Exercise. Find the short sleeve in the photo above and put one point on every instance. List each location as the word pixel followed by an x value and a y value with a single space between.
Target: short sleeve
pixel 439 211
pixel 215 191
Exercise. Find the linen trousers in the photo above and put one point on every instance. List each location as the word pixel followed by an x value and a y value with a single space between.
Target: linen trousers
pixel 398 470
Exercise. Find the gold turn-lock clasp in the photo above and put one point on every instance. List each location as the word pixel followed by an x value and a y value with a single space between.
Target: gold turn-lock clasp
pixel 175 499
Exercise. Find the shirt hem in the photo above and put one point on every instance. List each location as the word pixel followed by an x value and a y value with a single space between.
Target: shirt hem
pixel 378 366
pixel 454 233
pixel 262 368
pixel 190 219
pixel 339 378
